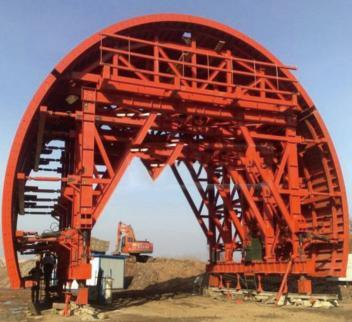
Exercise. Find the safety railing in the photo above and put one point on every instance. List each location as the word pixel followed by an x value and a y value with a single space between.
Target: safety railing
pixel 192 67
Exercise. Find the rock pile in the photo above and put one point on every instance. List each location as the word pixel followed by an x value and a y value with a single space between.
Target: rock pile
pixel 84 313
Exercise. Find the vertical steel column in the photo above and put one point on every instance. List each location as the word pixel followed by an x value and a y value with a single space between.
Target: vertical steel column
pixel 82 219
pixel 228 241
pixel 211 216
pixel 294 184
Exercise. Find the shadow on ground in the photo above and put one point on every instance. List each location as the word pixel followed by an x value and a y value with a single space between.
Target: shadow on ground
pixel 174 288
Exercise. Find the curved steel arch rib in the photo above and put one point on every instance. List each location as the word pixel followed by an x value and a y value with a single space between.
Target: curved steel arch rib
pixel 181 91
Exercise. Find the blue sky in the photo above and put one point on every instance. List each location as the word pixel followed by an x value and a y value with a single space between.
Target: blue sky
pixel 313 35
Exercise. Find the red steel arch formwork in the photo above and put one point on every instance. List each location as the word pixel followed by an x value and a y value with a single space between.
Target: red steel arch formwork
pixel 180 91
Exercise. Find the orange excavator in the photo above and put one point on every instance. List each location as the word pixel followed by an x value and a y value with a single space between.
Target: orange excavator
pixel 127 244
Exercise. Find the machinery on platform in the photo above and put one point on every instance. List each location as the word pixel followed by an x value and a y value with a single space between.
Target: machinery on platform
pixel 220 110
pixel 127 244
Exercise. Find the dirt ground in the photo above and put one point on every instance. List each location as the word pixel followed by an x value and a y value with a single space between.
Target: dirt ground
pixel 161 290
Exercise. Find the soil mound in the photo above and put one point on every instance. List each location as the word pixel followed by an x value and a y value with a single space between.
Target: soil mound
pixel 163 274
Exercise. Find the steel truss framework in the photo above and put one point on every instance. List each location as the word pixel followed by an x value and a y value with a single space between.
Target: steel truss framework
pixel 178 90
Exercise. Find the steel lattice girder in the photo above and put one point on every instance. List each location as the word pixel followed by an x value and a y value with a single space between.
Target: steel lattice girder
pixel 181 91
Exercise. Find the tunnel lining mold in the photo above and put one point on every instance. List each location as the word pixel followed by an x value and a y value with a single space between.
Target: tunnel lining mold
pixel 176 89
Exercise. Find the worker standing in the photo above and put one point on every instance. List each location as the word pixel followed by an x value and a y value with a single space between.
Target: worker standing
pixel 48 263
pixel 35 274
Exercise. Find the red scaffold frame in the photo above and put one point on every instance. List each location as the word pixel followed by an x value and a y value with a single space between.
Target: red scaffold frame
pixel 211 103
